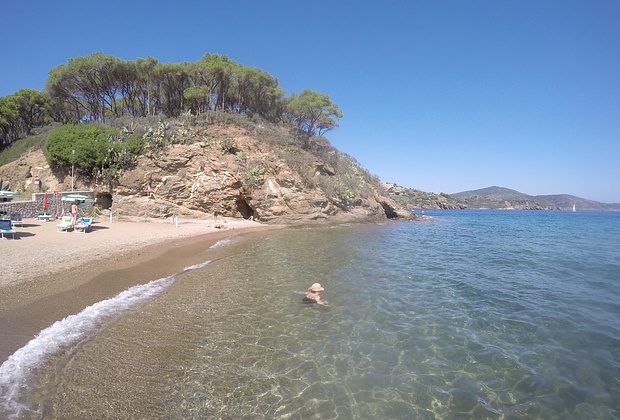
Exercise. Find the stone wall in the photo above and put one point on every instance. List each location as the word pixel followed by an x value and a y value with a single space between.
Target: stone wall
pixel 30 209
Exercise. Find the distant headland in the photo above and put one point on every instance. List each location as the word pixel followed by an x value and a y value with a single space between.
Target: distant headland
pixel 493 198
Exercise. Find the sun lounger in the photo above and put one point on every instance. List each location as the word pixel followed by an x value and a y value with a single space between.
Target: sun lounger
pixel 16 219
pixel 5 228
pixel 84 225
pixel 65 225
pixel 44 216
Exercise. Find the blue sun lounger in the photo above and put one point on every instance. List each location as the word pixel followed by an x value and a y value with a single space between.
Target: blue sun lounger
pixel 5 228
pixel 84 225
pixel 16 219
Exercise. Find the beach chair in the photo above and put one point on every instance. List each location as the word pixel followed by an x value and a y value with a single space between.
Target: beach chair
pixel 5 228
pixel 84 226
pixel 16 219
pixel 44 216
pixel 65 225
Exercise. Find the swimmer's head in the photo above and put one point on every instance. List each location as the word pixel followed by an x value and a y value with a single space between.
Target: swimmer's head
pixel 316 287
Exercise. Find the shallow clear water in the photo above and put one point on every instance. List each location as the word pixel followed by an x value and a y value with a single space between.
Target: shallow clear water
pixel 471 314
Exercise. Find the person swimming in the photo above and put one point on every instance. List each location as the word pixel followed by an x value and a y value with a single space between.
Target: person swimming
pixel 313 295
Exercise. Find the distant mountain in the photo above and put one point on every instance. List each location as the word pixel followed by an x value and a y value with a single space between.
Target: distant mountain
pixel 505 198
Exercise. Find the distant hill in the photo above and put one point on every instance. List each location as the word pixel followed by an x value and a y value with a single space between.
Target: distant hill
pixel 505 198
pixel 416 199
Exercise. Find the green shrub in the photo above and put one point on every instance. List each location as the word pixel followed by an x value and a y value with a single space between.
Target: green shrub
pixel 94 150
pixel 254 175
pixel 229 146
pixel 157 139
pixel 344 191
pixel 82 145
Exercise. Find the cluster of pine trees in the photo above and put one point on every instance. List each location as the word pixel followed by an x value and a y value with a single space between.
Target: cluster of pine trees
pixel 98 87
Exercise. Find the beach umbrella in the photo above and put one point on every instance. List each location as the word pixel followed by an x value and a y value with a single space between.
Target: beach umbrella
pixel 6 193
pixel 76 197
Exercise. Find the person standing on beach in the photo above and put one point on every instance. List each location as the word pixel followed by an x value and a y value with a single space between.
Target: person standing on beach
pixel 74 211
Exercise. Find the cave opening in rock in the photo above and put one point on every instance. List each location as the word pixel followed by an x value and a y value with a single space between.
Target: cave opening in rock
pixel 104 200
pixel 244 208
pixel 390 213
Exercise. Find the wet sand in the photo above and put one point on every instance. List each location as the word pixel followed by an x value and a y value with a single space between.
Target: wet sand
pixel 49 275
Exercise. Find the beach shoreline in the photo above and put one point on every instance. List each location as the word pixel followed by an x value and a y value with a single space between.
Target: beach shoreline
pixel 49 275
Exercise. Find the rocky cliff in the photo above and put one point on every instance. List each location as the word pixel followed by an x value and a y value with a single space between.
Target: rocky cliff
pixel 254 172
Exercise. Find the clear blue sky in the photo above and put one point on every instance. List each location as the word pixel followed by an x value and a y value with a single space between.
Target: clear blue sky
pixel 442 96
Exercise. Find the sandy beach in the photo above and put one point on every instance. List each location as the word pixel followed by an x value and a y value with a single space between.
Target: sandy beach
pixel 48 275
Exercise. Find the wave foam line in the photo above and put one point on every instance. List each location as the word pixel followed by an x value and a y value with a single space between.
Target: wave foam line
pixel 15 372
pixel 196 266
pixel 221 242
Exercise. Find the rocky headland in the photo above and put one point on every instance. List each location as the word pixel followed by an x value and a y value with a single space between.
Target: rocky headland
pixel 241 168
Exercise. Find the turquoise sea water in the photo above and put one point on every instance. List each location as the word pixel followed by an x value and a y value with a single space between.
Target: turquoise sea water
pixel 469 314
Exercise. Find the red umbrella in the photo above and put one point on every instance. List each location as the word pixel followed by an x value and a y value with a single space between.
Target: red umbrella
pixel 45 202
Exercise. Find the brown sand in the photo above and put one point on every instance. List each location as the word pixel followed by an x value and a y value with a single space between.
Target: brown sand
pixel 47 275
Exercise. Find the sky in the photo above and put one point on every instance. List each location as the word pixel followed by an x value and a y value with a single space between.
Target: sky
pixel 437 95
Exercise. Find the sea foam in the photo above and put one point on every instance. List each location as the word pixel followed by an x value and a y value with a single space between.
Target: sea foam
pixel 17 370
pixel 221 242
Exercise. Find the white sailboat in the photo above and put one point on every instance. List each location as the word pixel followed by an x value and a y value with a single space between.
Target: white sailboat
pixel 574 208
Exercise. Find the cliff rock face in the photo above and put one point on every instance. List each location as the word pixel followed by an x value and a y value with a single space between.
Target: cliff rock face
pixel 18 176
pixel 206 177
pixel 228 171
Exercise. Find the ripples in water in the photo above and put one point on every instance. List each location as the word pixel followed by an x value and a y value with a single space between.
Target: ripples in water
pixel 473 315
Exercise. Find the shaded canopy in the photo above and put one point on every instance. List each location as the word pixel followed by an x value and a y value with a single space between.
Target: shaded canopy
pixel 76 197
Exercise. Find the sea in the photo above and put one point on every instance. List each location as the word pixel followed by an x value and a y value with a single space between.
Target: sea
pixel 471 314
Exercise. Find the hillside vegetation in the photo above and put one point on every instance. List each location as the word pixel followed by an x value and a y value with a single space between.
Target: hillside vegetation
pixel 212 135
pixel 99 88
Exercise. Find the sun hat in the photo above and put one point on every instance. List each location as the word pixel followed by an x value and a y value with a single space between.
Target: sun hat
pixel 316 287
